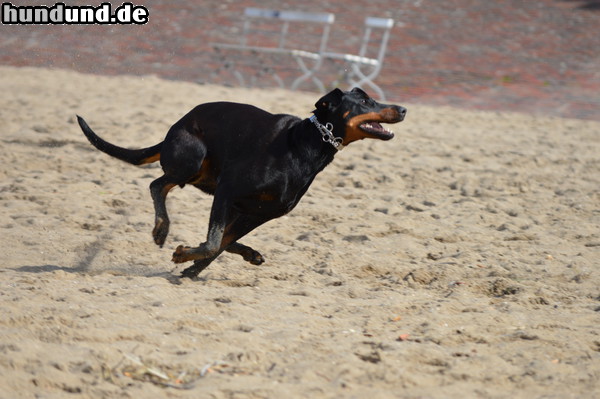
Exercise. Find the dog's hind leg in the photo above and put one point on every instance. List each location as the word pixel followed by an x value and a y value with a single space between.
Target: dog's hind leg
pixel 159 189
pixel 181 158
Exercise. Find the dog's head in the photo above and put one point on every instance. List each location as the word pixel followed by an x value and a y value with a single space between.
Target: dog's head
pixel 356 116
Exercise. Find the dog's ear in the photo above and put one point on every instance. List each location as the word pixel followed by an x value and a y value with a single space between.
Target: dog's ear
pixel 359 91
pixel 331 99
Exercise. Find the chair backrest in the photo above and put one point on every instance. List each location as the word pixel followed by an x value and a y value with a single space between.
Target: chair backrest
pixel 285 18
pixel 371 23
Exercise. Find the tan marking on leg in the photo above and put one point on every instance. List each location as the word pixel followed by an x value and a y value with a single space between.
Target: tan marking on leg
pixel 151 159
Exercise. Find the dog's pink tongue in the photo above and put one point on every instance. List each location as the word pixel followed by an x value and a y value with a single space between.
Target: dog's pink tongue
pixel 377 125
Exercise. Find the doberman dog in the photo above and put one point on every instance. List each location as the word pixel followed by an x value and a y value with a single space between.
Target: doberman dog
pixel 256 164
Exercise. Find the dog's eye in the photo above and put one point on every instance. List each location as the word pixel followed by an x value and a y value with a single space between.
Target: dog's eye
pixel 363 101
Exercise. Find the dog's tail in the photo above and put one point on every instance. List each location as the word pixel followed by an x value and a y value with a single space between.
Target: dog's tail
pixel 135 157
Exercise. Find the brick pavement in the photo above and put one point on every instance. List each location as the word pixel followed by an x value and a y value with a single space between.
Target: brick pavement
pixel 533 56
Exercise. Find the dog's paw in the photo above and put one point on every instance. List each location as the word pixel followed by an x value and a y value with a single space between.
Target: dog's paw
pixel 160 231
pixel 254 258
pixel 190 273
pixel 181 254
pixel 193 271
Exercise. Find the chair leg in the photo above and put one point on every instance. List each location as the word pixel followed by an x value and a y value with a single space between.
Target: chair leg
pixel 309 73
pixel 366 79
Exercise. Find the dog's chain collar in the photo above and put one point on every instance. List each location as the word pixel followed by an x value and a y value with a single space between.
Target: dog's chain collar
pixel 326 131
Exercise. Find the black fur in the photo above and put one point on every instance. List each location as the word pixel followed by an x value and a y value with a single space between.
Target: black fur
pixel 256 164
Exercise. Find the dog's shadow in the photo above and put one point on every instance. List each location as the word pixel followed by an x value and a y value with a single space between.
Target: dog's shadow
pixel 45 269
pixel 87 254
pixel 169 276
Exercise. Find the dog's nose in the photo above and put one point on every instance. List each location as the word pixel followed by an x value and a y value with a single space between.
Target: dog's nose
pixel 402 112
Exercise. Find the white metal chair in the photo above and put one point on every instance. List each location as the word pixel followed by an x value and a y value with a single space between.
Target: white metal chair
pixel 253 17
pixel 357 63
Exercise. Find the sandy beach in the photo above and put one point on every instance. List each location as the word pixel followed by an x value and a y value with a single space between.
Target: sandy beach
pixel 460 259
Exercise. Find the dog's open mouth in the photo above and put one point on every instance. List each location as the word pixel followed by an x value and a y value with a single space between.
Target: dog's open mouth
pixel 375 129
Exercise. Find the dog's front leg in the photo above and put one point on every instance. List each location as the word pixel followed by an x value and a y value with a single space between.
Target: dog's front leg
pixel 239 226
pixel 249 254
pixel 220 216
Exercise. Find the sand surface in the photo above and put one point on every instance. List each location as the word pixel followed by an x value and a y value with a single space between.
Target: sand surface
pixel 458 260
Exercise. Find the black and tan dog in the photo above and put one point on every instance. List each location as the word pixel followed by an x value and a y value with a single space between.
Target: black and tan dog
pixel 256 164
